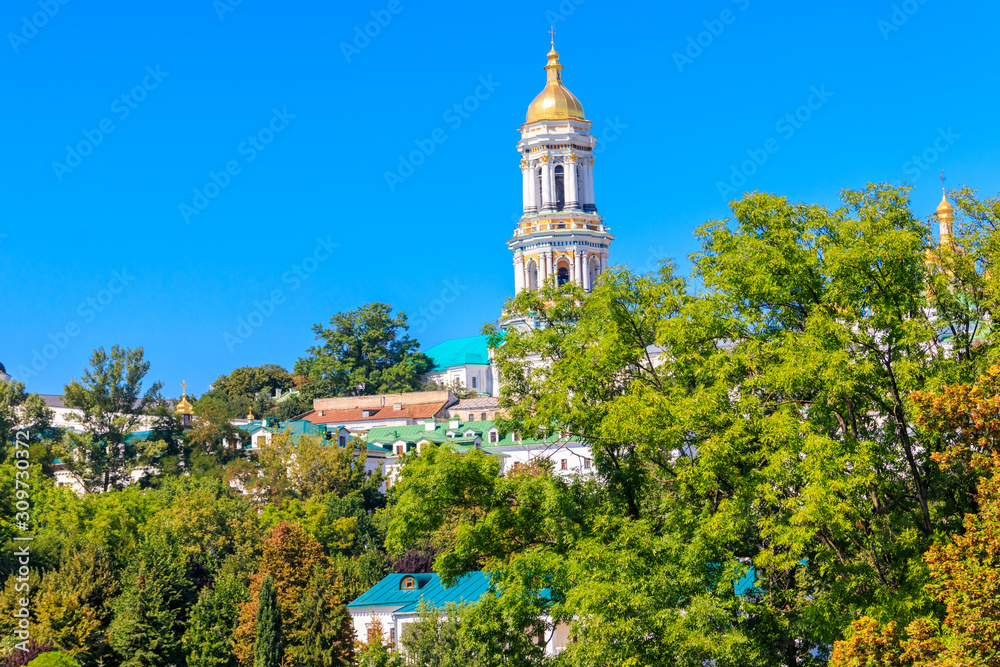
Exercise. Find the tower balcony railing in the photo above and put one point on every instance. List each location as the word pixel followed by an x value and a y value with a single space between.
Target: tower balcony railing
pixel 555 226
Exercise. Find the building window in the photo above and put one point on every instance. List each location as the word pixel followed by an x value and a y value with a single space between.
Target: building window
pixel 343 441
pixel 260 441
pixel 562 275
pixel 473 381
pixel 494 436
pixel 409 583
pixel 564 465
pixel 392 635
pixel 532 271
pixel 372 633
pixel 400 450
pixel 586 464
pixel 482 416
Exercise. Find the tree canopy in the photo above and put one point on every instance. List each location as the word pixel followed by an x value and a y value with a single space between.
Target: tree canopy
pixel 363 352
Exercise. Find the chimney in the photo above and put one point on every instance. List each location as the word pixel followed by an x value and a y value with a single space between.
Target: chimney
pixel 397 406
pixel 429 425
pixel 453 423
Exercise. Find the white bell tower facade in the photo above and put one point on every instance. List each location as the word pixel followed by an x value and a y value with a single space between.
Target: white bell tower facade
pixel 560 235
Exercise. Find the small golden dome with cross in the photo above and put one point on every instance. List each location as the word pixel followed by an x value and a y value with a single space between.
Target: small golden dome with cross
pixel 184 406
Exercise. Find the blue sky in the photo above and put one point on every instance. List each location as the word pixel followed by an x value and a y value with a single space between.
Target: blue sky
pixel 275 124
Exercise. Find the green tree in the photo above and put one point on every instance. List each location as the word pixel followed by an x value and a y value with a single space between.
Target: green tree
pixel 213 441
pixel 54 659
pixel 144 632
pixel 325 634
pixel 73 604
pixel 269 647
pixel 249 381
pixel 307 465
pixel 768 418
pixel 19 409
pixel 209 634
pixel 435 638
pixel 290 557
pixel 365 351
pixel 377 653
pixel 113 405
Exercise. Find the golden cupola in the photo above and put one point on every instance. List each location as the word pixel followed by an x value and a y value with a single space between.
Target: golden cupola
pixel 946 217
pixel 555 102
pixel 184 407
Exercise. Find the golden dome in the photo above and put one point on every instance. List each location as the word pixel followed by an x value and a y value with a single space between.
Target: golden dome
pixel 184 406
pixel 555 102
pixel 944 208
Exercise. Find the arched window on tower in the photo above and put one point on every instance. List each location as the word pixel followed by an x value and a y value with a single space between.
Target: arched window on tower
pixel 594 269
pixel 560 189
pixel 532 270
pixel 562 275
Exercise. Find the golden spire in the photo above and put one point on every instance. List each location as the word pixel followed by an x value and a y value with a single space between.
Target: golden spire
pixel 250 415
pixel 184 406
pixel 555 102
pixel 946 216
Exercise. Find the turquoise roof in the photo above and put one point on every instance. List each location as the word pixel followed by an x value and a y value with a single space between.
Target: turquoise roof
pixel 386 435
pixel 458 352
pixel 388 592
pixel 295 427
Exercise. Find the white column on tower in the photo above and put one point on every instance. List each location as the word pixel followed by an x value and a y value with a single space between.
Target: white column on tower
pixel 546 187
pixel 570 187
pixel 518 273
pixel 534 189
pixel 586 272
pixel 590 182
pixel 525 183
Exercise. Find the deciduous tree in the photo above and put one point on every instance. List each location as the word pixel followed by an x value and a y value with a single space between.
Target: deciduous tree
pixel 364 351
pixel 112 405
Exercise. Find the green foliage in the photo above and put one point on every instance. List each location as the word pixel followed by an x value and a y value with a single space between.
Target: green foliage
pixel 213 441
pixel 73 604
pixel 365 351
pixel 209 635
pixel 54 659
pixel 767 419
pixel 19 409
pixel 325 634
pixel 249 381
pixel 113 405
pixel 269 648
pixel 245 389
pixel 147 626
pixel 379 653
pixel 435 638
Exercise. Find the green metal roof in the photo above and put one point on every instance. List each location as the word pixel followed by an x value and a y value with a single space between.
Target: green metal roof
pixel 293 426
pixel 459 351
pixel 389 593
pixel 386 435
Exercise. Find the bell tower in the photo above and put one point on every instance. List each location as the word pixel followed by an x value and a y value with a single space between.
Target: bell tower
pixel 560 235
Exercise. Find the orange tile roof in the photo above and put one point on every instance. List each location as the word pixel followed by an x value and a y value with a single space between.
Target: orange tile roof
pixel 419 411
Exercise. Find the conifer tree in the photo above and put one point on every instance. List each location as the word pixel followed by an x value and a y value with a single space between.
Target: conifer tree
pixel 269 649
pixel 325 637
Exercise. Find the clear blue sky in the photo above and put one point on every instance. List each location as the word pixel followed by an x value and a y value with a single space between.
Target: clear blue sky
pixel 895 81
